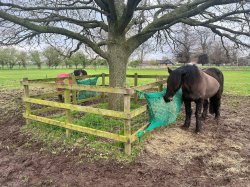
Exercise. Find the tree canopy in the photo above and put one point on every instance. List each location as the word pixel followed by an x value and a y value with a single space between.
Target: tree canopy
pixel 91 22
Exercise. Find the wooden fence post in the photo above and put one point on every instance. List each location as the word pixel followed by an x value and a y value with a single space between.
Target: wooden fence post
pixel 136 79
pixel 161 85
pixel 74 94
pixel 67 99
pixel 136 84
pixel 127 125
pixel 27 95
pixel 103 79
pixel 103 83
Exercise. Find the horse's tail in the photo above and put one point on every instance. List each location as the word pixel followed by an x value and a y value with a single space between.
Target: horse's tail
pixel 214 104
pixel 215 101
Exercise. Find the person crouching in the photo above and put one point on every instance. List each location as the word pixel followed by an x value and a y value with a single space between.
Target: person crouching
pixel 77 73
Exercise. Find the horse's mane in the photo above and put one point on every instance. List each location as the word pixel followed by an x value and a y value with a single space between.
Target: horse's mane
pixel 189 73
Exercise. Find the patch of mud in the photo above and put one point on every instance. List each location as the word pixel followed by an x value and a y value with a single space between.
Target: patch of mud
pixel 10 107
pixel 220 156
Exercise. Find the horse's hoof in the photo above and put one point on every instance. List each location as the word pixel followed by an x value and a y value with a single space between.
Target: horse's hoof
pixel 198 131
pixel 203 118
pixel 185 127
pixel 217 121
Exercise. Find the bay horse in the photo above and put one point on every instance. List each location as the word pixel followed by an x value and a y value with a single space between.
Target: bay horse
pixel 204 87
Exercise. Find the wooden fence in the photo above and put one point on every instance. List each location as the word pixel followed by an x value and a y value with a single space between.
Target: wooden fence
pixel 127 114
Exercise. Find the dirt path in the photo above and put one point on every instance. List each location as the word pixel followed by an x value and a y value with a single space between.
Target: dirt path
pixel 172 157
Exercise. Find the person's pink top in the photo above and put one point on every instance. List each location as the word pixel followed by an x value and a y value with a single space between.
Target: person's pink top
pixel 63 75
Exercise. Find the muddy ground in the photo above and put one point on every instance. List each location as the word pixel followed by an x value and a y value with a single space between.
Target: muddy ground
pixel 220 156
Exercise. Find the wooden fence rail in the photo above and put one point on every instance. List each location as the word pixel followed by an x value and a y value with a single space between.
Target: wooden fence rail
pixel 127 114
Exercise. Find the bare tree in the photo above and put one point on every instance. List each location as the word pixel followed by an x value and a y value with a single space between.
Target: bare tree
pixel 3 57
pixel 53 57
pixel 35 57
pixel 218 55
pixel 115 28
pixel 140 53
pixel 234 54
pixel 77 59
pixel 205 39
pixel 183 42
pixel 67 62
pixel 9 57
pixel 22 58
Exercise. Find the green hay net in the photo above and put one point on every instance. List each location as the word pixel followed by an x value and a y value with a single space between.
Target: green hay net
pixel 87 94
pixel 160 112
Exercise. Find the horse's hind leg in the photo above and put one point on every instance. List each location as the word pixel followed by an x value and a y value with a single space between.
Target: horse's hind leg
pixel 188 111
pixel 217 110
pixel 60 97
pixel 205 108
pixel 215 103
pixel 199 104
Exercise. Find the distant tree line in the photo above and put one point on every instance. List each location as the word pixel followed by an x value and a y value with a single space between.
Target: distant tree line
pixel 188 44
pixel 206 46
pixel 51 57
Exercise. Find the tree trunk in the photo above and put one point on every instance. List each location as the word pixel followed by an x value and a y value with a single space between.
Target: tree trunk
pixel 118 59
pixel 117 56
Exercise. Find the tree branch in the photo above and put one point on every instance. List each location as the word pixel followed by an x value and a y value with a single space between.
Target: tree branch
pixel 161 6
pixel 57 8
pixel 128 14
pixel 109 7
pixel 214 28
pixel 51 29
pixel 16 40
pixel 55 17
pixel 169 19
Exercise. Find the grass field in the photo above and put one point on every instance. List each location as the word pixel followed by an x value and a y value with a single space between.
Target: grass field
pixel 236 82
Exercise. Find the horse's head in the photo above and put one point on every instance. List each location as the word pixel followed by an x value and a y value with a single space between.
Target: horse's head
pixel 173 84
pixel 79 72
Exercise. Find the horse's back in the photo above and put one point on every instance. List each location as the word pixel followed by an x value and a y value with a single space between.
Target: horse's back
pixel 212 86
pixel 199 83
pixel 215 73
pixel 218 75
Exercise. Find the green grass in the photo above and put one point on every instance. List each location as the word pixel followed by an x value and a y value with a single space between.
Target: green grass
pixel 236 82
pixel 11 78
pixel 92 147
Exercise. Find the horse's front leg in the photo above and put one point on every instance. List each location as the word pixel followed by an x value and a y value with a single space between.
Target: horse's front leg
pixel 199 104
pixel 60 97
pixel 205 108
pixel 188 111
